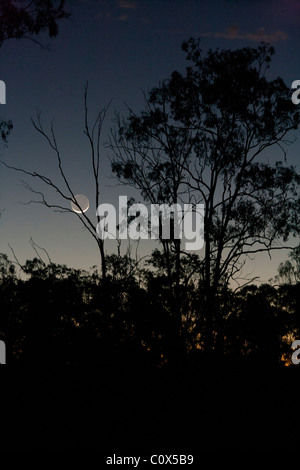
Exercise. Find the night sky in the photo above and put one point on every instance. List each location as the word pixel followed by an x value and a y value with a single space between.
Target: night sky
pixel 121 47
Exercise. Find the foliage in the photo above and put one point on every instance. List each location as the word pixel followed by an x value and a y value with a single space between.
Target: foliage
pixel 30 19
pixel 5 129
pixel 289 270
pixel 204 137
pixel 27 22
pixel 69 316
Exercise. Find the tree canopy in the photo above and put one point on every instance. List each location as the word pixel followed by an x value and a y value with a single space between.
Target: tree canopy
pixel 208 136
pixel 28 20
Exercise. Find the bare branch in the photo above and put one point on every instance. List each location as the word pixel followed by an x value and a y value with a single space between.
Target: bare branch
pixel 35 246
pixel 15 257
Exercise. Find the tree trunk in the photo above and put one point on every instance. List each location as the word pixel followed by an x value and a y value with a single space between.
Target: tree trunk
pixel 209 295
pixel 103 261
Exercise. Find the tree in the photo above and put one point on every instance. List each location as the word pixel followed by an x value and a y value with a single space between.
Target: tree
pixel 30 19
pixel 207 136
pixel 27 22
pixel 5 129
pixel 132 163
pixel 64 190
pixel 289 270
pixel 150 153
pixel 257 324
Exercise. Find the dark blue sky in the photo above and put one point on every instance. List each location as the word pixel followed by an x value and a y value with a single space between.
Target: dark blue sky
pixel 121 47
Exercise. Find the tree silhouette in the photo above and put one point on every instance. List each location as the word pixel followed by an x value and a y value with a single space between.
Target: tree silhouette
pixel 54 314
pixel 27 22
pixel 30 19
pixel 5 129
pixel 289 270
pixel 208 135
pixel 65 191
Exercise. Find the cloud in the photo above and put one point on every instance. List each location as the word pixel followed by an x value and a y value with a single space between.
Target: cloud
pixel 122 18
pixel 127 4
pixel 119 10
pixel 257 36
pixel 101 16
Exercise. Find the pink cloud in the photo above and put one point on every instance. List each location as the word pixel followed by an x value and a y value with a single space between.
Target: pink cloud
pixel 257 36
pixel 127 4
pixel 123 17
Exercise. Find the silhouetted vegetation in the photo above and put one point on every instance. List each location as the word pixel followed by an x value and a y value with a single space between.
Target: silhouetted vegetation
pixel 54 314
pixel 203 137
pixel 30 18
pixel 28 21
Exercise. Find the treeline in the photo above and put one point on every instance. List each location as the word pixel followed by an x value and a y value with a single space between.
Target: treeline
pixel 53 314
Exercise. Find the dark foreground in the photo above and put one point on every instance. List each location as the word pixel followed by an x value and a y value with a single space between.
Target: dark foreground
pixel 123 408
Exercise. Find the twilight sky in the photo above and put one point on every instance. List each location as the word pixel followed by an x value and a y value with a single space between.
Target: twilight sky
pixel 121 47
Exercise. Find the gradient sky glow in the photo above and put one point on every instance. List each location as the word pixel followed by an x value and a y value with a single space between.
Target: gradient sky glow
pixel 121 47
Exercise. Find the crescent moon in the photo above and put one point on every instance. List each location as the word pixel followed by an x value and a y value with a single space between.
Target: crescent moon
pixel 82 204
